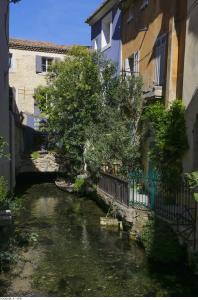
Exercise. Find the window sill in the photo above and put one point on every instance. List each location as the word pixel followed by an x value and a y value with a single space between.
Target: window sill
pixel 42 73
pixel 106 47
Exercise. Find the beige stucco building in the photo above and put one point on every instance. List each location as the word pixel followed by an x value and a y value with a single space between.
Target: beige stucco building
pixel 30 62
pixel 190 85
pixel 6 165
pixel 160 42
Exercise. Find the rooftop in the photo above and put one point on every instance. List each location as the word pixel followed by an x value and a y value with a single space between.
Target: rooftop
pixel 101 10
pixel 38 46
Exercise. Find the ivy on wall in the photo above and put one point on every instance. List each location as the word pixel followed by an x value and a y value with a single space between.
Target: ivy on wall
pixel 171 143
pixel 3 145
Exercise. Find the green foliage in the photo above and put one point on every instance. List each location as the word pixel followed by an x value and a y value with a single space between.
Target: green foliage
pixel 6 259
pixel 71 102
pixel 161 243
pixel 3 193
pixel 117 139
pixel 7 201
pixel 92 113
pixel 3 145
pixel 192 179
pixel 35 155
pixel 170 144
pixel 79 185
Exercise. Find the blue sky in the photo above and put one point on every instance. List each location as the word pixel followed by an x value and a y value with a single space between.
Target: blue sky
pixel 59 21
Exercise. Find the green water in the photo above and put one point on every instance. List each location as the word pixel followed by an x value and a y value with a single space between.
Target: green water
pixel 75 257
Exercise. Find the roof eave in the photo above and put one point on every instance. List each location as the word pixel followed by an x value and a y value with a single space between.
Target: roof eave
pixel 37 48
pixel 101 11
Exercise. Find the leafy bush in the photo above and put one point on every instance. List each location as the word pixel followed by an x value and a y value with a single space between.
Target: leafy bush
pixel 7 201
pixel 170 139
pixel 192 179
pixel 3 194
pixel 161 243
pixel 6 259
pixel 35 155
pixel 79 185
pixel 3 145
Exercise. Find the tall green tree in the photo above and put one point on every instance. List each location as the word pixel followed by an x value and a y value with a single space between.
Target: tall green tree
pixel 90 109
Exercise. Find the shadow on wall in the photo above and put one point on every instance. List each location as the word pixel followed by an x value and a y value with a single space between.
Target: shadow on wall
pixel 156 8
pixel 26 138
pixel 192 15
pixel 163 11
pixel 192 131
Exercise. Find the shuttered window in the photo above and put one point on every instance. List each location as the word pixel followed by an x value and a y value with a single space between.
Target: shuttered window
pixel 43 63
pixel 160 60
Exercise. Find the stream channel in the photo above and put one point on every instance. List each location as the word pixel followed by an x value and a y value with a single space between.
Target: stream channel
pixel 74 256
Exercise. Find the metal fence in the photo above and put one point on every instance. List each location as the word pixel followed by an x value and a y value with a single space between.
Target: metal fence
pixel 115 187
pixel 175 204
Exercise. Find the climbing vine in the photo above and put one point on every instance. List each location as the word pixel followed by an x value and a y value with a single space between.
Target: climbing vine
pixel 3 145
pixel 170 139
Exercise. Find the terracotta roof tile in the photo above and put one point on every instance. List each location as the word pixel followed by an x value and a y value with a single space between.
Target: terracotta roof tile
pixel 38 46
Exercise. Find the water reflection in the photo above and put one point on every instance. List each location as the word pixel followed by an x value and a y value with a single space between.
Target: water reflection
pixel 44 207
pixel 75 257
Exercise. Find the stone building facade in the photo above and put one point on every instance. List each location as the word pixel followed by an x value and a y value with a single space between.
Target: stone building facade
pixel 29 65
pixel 190 85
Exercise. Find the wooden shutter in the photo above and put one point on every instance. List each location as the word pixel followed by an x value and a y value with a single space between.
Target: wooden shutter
pixel 38 64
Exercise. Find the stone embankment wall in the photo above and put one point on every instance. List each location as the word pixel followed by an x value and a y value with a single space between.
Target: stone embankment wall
pixel 135 218
pixel 46 163
pixel 157 237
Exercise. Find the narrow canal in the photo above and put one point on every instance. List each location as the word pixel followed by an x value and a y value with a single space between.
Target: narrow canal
pixel 75 257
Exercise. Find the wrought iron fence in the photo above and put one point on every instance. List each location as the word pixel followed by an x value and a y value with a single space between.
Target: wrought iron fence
pixel 174 204
pixel 115 187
